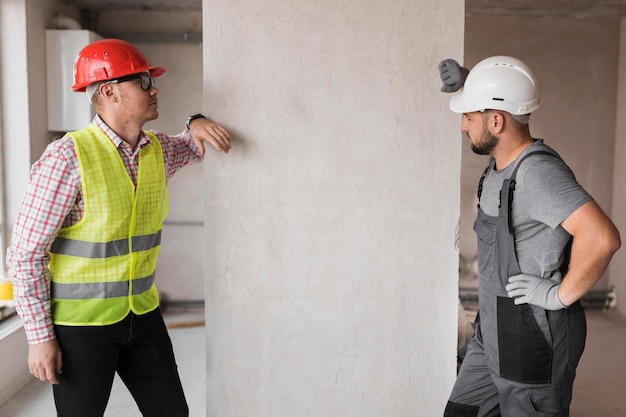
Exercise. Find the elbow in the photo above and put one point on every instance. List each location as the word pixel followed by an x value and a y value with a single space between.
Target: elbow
pixel 617 243
pixel 613 241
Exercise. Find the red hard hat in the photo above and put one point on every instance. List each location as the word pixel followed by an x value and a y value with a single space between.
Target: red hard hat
pixel 108 59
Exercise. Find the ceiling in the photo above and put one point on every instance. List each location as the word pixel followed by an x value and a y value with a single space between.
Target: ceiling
pixel 148 5
pixel 532 8
pixel 547 8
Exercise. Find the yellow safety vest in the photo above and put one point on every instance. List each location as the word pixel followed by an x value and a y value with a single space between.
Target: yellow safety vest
pixel 103 267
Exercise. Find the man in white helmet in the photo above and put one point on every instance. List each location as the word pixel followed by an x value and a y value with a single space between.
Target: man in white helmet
pixel 543 242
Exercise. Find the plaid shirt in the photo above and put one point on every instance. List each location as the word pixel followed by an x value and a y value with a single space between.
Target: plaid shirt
pixel 54 199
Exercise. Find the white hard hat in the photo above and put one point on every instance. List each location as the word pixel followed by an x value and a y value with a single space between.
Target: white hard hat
pixel 498 83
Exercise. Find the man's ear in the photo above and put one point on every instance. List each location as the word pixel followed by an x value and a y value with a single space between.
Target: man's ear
pixel 496 122
pixel 107 91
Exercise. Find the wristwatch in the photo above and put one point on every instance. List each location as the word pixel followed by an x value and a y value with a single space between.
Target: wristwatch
pixel 192 118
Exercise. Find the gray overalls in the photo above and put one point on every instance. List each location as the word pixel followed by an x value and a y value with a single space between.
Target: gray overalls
pixel 522 359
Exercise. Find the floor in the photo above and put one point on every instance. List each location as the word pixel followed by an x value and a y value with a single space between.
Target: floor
pixel 599 388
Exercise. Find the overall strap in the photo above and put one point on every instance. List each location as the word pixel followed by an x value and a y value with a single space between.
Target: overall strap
pixel 531 154
pixel 490 165
pixel 508 187
pixel 492 162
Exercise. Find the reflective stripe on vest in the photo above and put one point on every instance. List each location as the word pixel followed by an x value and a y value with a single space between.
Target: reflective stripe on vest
pixel 101 289
pixel 83 249
pixel 103 267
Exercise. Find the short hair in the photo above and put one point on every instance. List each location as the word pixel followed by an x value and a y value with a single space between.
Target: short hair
pixel 519 122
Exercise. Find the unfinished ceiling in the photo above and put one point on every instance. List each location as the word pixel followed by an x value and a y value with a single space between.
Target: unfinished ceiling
pixel 148 5
pixel 613 9
pixel 532 8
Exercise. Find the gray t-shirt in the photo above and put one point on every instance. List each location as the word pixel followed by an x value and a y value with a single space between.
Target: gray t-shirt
pixel 546 193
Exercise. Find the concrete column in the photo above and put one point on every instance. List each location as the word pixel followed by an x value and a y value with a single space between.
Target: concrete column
pixel 332 267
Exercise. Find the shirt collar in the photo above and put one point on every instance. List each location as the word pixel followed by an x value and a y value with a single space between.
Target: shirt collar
pixel 144 140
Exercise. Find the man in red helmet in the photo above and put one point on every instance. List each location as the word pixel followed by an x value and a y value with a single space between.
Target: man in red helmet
pixel 87 237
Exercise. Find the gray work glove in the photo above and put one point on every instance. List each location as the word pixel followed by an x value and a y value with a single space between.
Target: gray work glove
pixel 452 74
pixel 541 292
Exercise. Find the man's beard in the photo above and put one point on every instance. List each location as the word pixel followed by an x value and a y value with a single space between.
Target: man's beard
pixel 486 143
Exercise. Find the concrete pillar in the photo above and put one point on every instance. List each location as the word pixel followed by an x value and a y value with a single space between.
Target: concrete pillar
pixel 332 267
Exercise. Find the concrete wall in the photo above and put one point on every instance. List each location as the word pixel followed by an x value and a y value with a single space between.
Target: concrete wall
pixel 331 261
pixel 618 266
pixel 576 68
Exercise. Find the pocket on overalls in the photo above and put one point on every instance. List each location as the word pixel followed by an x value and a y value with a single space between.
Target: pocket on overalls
pixel 525 355
pixel 550 402
pixel 486 250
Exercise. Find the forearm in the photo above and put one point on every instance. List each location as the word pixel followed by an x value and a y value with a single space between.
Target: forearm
pixel 580 279
pixel 51 194
pixel 31 292
pixel 178 151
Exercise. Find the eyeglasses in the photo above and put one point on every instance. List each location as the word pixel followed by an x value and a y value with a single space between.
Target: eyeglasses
pixel 147 82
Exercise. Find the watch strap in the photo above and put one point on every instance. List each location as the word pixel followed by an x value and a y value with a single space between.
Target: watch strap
pixel 192 118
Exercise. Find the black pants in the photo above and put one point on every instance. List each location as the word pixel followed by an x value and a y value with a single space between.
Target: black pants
pixel 138 348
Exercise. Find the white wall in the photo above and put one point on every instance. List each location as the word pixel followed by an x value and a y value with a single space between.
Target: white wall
pixel 23 91
pixel 331 261
pixel 24 136
pixel 15 104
